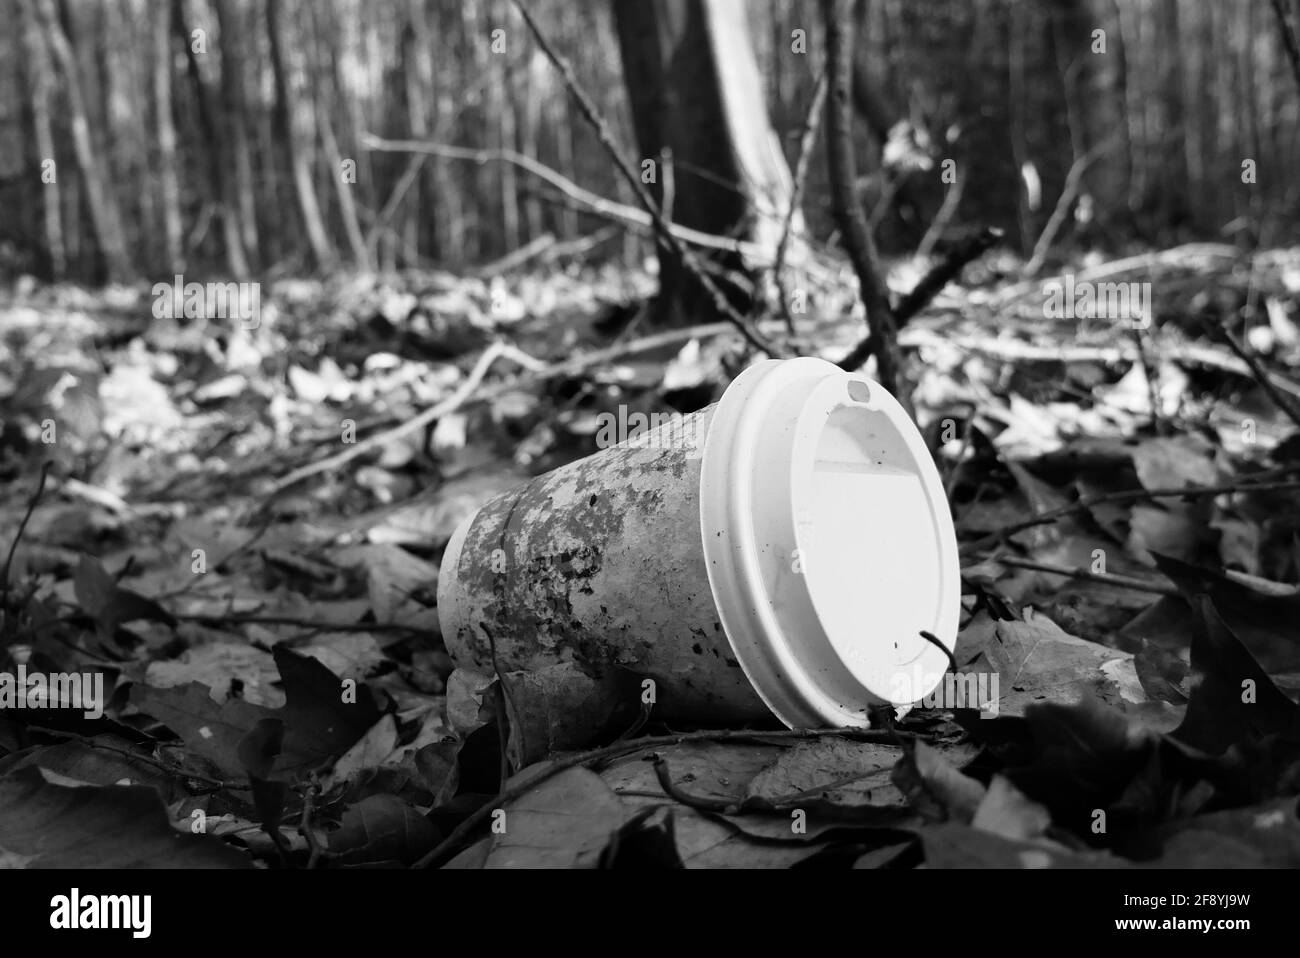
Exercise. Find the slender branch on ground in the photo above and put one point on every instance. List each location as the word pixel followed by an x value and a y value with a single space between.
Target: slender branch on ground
pixel 13 546
pixel 621 750
pixel 309 624
pixel 1012 351
pixel 931 284
pixel 796 192
pixel 172 770
pixel 1123 581
pixel 683 254
pixel 468 392
pixel 1134 495
pixel 414 424
pixel 700 802
pixel 861 248
pixel 1257 371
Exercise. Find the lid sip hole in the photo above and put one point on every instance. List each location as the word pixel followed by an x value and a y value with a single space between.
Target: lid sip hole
pixel 859 391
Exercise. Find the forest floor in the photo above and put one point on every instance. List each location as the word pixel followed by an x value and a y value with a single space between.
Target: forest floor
pixel 184 517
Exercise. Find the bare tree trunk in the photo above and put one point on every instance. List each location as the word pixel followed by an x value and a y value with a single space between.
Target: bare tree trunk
pixel 695 90
pixel 501 104
pixel 1098 82
pixel 40 81
pixel 421 84
pixel 234 105
pixel 347 206
pixel 314 225
pixel 106 221
pixel 169 186
pixel 235 260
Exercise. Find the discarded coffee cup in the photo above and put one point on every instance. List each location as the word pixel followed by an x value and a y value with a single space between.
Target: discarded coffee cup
pixel 779 552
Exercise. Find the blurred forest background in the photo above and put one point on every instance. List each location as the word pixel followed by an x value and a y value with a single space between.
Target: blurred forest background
pixel 207 134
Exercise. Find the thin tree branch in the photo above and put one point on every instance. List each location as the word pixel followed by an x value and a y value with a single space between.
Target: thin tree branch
pixel 800 175
pixel 948 269
pixel 1135 495
pixel 594 202
pixel 1257 370
pixel 1122 581
pixel 625 748
pixel 687 258
pixel 1073 181
pixel 883 341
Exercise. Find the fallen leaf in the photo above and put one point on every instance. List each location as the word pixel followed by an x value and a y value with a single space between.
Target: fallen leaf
pixel 322 717
pixel 44 825
pixel 565 822
pixel 382 828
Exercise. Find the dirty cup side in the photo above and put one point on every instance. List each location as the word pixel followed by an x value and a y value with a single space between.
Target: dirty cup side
pixel 601 562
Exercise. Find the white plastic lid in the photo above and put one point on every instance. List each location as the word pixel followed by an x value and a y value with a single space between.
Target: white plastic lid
pixel 829 543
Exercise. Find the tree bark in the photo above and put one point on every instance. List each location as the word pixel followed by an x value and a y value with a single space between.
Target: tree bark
pixel 168 184
pixel 106 221
pixel 235 259
pixel 1097 82
pixel 234 106
pixel 40 81
pixel 314 225
pixel 696 91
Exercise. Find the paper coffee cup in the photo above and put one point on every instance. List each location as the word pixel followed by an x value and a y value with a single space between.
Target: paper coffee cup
pixel 778 552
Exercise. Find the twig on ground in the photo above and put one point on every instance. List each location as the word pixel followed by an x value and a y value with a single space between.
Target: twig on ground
pixel 623 749
pixel 534 369
pixel 800 175
pixel 13 546
pixel 1187 256
pixel 861 248
pixel 1011 350
pixel 1133 495
pixel 1123 581
pixel 684 255
pixel 309 624
pixel 416 423
pixel 1257 370
pixel 930 285
pixel 700 802
pixel 172 770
